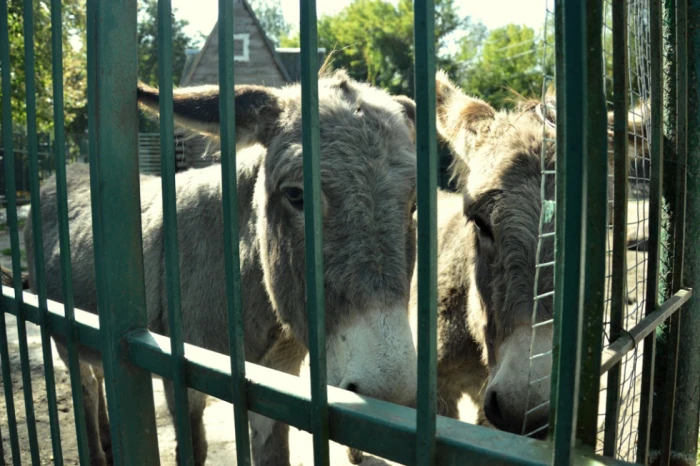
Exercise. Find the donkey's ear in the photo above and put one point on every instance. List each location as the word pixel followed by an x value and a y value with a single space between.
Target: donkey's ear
pixel 409 111
pixel 461 120
pixel 197 109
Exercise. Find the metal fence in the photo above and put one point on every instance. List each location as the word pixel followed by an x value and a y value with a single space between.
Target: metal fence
pixel 592 333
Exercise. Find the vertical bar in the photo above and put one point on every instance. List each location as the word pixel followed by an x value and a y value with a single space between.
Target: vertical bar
pixel 580 87
pixel 231 246
pixel 39 275
pixel 595 210
pixel 667 234
pixel 64 240
pixel 685 425
pixel 646 403
pixel 426 184
pixel 559 77
pixel 10 196
pixel 172 257
pixel 116 223
pixel 618 303
pixel 681 101
pixel 313 229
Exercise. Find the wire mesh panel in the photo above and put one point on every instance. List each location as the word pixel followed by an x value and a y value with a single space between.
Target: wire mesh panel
pixel 636 210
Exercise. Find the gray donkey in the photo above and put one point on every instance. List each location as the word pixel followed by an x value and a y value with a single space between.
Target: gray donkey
pixel 487 243
pixel 368 198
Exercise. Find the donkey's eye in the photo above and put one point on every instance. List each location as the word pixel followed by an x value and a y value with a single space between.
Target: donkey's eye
pixel 414 207
pixel 295 197
pixel 481 226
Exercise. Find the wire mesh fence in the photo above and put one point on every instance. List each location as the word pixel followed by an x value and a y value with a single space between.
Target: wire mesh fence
pixel 637 213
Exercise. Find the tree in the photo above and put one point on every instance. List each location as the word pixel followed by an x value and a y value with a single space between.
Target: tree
pixel 147 36
pixel 74 65
pixel 147 33
pixel 510 58
pixel 373 40
pixel 269 13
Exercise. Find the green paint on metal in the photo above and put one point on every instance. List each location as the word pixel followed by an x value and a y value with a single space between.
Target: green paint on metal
pixel 66 272
pixel 618 302
pixel 374 426
pixel 593 251
pixel 172 258
pixel 10 196
pixel 571 143
pixel 426 184
pixel 231 245
pixel 40 275
pixel 656 136
pixel 313 227
pixel 687 412
pixel 116 218
pixel 677 103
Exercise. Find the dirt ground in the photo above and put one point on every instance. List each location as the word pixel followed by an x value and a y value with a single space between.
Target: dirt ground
pixel 218 416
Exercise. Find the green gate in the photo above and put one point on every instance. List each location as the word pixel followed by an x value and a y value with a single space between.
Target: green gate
pixel 668 405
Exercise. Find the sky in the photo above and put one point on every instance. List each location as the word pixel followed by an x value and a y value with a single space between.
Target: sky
pixel 493 13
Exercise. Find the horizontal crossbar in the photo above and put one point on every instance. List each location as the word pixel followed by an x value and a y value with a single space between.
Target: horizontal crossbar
pixel 629 339
pixel 371 425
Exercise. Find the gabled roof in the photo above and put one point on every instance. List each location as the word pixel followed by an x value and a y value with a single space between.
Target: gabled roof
pixel 189 71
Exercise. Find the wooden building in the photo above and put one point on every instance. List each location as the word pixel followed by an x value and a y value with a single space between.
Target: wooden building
pixel 256 61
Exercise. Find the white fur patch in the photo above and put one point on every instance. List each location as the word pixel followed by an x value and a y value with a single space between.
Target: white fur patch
pixel 375 353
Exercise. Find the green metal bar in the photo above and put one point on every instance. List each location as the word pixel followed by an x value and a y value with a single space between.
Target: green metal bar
pixel 629 340
pixel 371 425
pixel 618 303
pixel 40 274
pixel 313 227
pixel 559 77
pixel 685 425
pixel 231 240
pixel 652 300
pixel 426 184
pixel 595 215
pixel 569 239
pixel 62 201
pixel 116 218
pixel 10 196
pixel 172 257
pixel 681 101
pixel 664 335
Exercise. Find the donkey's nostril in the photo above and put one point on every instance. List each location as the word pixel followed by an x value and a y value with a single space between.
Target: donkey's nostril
pixel 352 387
pixel 492 410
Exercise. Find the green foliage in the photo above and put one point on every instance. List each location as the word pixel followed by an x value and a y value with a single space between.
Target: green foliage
pixel 373 40
pixel 74 64
pixel 269 14
pixel 147 36
pixel 147 33
pixel 505 59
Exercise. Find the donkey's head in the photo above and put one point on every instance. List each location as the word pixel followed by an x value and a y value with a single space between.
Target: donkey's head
pixel 367 199
pixel 500 157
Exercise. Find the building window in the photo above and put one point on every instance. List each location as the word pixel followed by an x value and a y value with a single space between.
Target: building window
pixel 241 47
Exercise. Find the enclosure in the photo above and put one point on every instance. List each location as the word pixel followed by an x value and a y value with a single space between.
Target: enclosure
pixel 625 380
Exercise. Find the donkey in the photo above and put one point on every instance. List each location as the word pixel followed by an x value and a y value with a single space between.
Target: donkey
pixel 487 255
pixel 368 199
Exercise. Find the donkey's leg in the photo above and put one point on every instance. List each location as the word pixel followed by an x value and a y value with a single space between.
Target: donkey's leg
pixel 269 438
pixel 90 390
pixel 103 419
pixel 197 402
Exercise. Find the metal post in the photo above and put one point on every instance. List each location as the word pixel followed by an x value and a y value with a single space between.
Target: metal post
pixel 116 215
pixel 685 425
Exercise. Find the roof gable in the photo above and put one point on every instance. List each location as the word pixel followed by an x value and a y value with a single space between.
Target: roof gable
pixel 189 71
